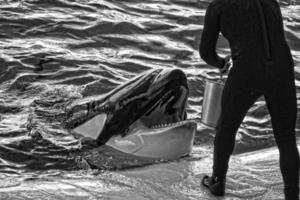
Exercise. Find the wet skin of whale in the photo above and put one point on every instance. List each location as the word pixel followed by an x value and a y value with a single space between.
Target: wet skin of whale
pixel 145 117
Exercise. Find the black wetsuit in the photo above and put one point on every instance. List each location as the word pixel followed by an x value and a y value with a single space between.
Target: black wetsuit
pixel 262 65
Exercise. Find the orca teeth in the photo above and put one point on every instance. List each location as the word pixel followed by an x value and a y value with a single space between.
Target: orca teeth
pixel 167 125
pixel 106 109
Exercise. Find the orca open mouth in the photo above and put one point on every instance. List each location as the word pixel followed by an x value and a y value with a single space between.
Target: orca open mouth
pixel 153 100
pixel 169 111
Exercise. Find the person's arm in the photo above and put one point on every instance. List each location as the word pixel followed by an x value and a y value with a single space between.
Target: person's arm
pixel 209 39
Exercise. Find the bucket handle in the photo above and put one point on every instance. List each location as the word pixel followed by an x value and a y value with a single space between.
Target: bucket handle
pixel 229 64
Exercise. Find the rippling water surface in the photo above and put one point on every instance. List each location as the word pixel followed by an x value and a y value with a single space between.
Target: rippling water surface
pixel 53 52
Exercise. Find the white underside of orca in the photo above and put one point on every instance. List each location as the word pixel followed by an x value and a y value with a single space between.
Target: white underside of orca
pixel 170 142
pixel 93 127
pixel 161 143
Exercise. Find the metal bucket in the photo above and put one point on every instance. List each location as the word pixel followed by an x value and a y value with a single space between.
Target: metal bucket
pixel 211 107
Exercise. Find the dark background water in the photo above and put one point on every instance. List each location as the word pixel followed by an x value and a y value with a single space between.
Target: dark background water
pixel 53 52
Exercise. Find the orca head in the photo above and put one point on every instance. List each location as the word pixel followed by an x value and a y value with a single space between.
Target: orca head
pixel 155 98
pixel 167 96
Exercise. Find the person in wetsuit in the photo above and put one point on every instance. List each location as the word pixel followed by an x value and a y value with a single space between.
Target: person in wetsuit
pixel 262 66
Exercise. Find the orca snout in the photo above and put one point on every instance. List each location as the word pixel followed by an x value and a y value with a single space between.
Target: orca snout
pixel 178 77
pixel 177 74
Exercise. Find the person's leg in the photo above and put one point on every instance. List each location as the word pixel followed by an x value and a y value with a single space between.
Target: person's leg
pixel 235 104
pixel 282 106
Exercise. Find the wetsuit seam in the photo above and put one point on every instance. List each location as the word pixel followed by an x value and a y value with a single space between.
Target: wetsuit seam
pixel 264 30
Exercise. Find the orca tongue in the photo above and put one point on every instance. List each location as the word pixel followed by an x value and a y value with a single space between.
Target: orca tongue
pixel 93 127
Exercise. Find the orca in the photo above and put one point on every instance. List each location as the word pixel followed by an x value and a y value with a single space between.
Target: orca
pixel 144 117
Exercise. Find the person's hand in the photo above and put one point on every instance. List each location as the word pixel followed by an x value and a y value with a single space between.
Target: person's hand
pixel 226 66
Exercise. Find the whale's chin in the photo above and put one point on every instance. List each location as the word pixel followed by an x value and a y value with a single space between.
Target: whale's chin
pixel 166 141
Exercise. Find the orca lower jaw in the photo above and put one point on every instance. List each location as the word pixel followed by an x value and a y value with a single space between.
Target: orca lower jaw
pixel 163 141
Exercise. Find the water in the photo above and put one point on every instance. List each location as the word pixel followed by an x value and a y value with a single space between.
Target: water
pixel 56 51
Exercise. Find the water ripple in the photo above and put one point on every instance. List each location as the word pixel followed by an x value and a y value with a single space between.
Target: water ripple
pixel 53 52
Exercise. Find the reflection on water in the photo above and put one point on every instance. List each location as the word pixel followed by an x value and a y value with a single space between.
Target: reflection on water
pixel 252 176
pixel 54 52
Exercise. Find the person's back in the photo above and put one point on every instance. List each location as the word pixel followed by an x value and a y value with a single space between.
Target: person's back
pixel 254 29
pixel 262 66
pixel 241 23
